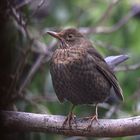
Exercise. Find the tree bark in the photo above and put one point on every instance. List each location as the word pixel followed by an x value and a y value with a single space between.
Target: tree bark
pixel 8 54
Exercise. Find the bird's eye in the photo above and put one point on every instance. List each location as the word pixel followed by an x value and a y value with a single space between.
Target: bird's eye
pixel 70 37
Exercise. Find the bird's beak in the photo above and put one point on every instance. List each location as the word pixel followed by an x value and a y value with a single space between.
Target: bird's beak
pixel 55 35
pixel 59 35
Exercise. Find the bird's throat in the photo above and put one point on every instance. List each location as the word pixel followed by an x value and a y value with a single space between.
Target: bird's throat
pixel 63 45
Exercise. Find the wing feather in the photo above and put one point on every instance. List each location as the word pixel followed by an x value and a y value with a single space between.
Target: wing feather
pixel 106 71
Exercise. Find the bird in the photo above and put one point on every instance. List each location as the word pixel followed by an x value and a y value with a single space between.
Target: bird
pixel 79 73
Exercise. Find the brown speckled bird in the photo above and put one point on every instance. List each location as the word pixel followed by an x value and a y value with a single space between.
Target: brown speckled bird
pixel 79 73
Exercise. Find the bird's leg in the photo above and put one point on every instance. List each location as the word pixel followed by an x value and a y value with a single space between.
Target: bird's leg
pixel 70 117
pixel 95 117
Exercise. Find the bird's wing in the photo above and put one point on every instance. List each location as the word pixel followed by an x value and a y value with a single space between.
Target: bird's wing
pixel 106 71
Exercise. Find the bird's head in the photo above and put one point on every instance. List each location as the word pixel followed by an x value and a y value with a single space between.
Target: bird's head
pixel 69 38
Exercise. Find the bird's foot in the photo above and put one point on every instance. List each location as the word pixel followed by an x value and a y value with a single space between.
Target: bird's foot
pixel 92 119
pixel 69 120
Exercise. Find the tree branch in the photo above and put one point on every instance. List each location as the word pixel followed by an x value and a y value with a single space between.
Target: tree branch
pixel 106 14
pixel 128 68
pixel 23 122
pixel 107 30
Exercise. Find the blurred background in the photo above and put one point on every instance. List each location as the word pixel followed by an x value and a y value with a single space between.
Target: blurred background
pixel 112 25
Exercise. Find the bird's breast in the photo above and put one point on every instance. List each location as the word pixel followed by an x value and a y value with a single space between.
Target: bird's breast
pixel 67 56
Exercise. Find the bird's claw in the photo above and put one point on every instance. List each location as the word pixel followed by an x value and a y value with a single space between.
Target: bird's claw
pixel 69 120
pixel 91 118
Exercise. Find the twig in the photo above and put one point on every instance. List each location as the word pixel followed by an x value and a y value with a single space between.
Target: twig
pixel 31 73
pixel 39 107
pixel 30 122
pixel 128 68
pixel 21 24
pixel 40 4
pixel 25 2
pixel 23 27
pixel 106 30
pixel 109 47
pixel 111 111
pixel 43 56
pixel 41 98
pixel 107 12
